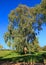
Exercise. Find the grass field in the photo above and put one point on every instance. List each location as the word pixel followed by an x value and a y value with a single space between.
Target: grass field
pixel 10 54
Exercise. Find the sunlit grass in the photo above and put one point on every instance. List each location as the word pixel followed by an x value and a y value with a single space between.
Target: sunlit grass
pixel 8 53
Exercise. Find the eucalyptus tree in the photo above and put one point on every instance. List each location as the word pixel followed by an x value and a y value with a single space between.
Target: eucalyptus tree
pixel 24 22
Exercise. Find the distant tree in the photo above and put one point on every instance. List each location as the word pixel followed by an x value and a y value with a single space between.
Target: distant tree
pixel 1 47
pixel 23 23
pixel 44 48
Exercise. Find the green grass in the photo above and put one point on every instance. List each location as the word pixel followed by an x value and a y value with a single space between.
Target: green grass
pixel 4 53
pixel 11 55
pixel 8 53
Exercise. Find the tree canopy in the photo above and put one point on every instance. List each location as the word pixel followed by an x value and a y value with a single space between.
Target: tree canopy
pixel 24 22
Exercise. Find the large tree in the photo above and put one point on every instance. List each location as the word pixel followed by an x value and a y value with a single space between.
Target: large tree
pixel 24 22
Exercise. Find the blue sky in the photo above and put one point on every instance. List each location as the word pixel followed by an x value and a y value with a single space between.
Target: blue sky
pixel 5 7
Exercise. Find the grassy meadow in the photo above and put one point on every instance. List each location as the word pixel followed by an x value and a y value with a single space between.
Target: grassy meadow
pixel 10 55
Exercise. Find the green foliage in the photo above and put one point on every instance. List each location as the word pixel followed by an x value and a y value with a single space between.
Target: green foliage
pixel 9 44
pixel 1 47
pixel 44 48
pixel 23 25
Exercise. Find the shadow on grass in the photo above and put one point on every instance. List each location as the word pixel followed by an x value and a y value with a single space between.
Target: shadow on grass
pixel 1 58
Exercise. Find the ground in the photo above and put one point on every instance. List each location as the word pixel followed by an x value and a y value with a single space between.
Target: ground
pixel 8 55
